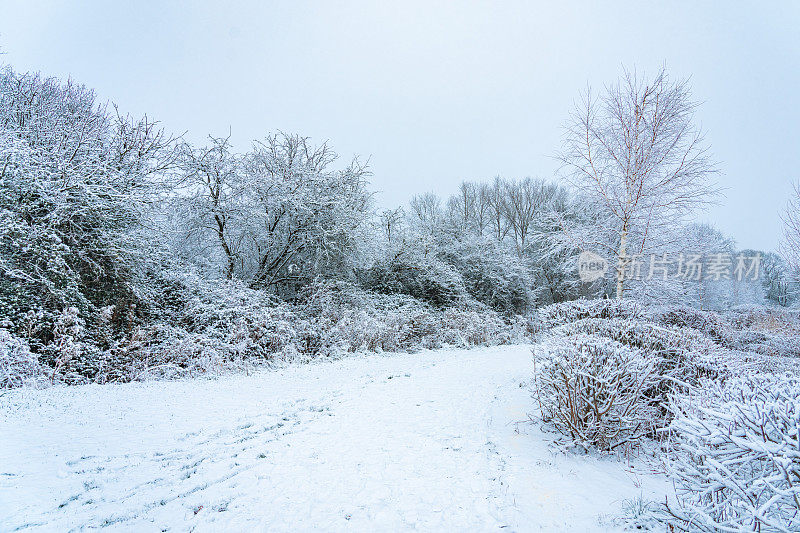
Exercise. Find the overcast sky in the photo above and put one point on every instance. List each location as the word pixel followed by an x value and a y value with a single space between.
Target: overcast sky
pixel 435 93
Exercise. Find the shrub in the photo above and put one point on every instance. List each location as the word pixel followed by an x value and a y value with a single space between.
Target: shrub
pixel 684 354
pixel 765 331
pixel 593 389
pixel 490 276
pixel 426 279
pixel 567 312
pixel 738 466
pixel 227 326
pixel 706 322
pixel 18 366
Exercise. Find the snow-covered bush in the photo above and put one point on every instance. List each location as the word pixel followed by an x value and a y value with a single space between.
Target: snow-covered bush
pixel 225 325
pixel 764 330
pixel 767 331
pixel 775 319
pixel 707 322
pixel 358 320
pixel 592 389
pixel 490 274
pixel 18 366
pixel 568 312
pixel 425 278
pixel 738 461
pixel 76 179
pixel 683 354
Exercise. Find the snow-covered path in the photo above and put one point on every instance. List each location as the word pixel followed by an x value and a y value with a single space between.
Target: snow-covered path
pixel 430 441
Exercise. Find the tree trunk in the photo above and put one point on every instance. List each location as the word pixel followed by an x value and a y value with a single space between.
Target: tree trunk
pixel 620 260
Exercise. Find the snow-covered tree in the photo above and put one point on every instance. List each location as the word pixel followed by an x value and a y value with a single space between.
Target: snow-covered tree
pixel 75 181
pixel 303 216
pixel 705 242
pixel 791 230
pixel 209 192
pixel 275 217
pixel 636 153
pixel 777 281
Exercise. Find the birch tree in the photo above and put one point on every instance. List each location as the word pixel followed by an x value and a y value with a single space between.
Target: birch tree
pixel 637 152
pixel 791 229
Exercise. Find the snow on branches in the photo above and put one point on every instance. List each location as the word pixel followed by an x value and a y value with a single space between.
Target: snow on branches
pixel 738 461
pixel 593 389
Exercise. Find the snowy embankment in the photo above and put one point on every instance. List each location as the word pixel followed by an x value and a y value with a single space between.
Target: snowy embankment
pixel 437 440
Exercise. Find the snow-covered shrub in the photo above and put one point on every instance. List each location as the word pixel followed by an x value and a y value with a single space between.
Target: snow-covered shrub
pixel 70 355
pixel 165 353
pixel 683 353
pixel 767 331
pixel 765 343
pixel 764 330
pixel 592 389
pixel 359 320
pixel 479 328
pixel 76 180
pixel 18 366
pixel 227 326
pixel 638 514
pixel 491 274
pixel 425 278
pixel 566 312
pixel 762 318
pixel 707 322
pixel 738 461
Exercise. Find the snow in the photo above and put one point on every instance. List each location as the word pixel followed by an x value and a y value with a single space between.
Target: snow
pixel 439 440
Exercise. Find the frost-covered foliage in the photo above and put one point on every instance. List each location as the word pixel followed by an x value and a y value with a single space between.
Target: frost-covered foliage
pixel 490 275
pixel 738 466
pixel 767 331
pixel 220 326
pixel 683 354
pixel 685 346
pixel 729 428
pixel 18 366
pixel 425 278
pixel 75 179
pixel 770 331
pixel 568 312
pixel 593 389
pixel 707 322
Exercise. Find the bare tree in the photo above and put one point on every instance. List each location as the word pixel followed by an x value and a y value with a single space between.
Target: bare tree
pixel 427 208
pixel 391 221
pixel 494 198
pixel 791 229
pixel 638 154
pixel 525 202
pixel 210 175
pixel 461 207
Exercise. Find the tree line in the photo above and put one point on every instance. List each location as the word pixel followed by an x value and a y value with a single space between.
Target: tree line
pixel 97 206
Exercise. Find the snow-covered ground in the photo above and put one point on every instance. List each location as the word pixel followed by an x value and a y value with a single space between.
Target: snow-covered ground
pixel 438 440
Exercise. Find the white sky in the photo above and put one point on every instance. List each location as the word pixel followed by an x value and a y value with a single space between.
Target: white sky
pixel 436 92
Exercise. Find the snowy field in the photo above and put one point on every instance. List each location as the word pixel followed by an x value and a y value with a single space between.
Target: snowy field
pixel 434 441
